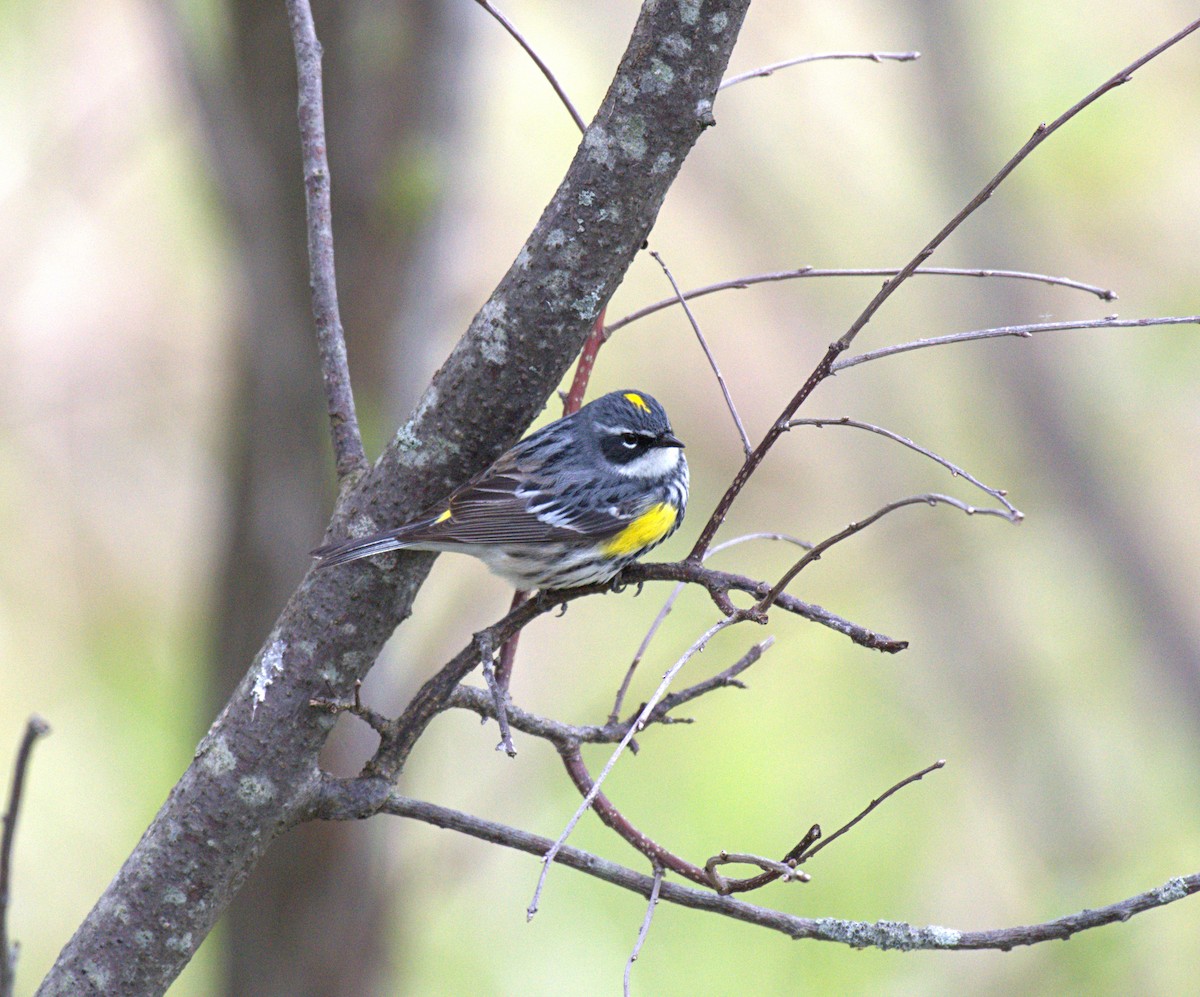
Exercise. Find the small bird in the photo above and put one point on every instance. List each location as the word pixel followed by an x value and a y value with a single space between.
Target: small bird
pixel 569 505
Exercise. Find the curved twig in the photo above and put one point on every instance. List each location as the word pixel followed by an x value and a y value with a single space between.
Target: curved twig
pixel 739 283
pixel 1020 331
pixel 712 361
pixel 35 727
pixel 998 494
pixel 538 61
pixel 774 67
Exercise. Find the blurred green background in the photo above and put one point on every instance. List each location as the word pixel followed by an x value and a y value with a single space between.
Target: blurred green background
pixel 164 470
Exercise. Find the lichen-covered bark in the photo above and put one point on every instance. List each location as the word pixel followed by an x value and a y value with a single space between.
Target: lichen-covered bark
pixel 255 772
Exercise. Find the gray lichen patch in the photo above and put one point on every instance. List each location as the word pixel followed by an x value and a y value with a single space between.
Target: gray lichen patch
pixel 215 755
pixel 632 137
pixel 896 935
pixel 256 790
pixel 492 333
pixel 689 11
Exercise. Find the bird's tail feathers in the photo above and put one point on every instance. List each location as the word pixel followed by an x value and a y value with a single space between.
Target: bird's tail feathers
pixel 352 550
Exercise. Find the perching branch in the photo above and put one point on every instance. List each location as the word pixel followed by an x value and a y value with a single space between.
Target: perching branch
pixel 244 788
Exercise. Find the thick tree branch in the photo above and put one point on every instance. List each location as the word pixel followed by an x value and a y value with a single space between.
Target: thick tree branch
pixel 255 772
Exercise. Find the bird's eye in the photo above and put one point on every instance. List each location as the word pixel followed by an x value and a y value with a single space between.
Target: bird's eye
pixel 630 441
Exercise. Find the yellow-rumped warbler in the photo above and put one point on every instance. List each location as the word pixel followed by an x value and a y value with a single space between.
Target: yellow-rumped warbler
pixel 569 505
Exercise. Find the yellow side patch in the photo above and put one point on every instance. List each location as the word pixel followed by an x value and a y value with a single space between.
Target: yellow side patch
pixel 636 400
pixel 649 528
pixel 443 517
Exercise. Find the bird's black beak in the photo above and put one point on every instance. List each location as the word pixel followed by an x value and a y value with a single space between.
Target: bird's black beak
pixel 669 440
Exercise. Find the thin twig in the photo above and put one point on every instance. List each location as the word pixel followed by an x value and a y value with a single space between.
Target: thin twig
pixel 751 464
pixel 928 498
pixel 645 929
pixel 739 283
pixel 349 456
pixel 538 61
pixel 755 74
pixel 722 680
pixel 828 365
pixel 915 777
pixel 785 871
pixel 669 604
pixel 1020 331
pixel 859 934
pixel 1040 134
pixel 586 803
pixel 712 361
pixel 998 494
pixel 35 727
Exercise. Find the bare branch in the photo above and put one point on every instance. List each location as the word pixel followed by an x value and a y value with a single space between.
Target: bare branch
pixel 929 498
pixel 1015 514
pixel 538 61
pixel 808 853
pixel 723 679
pixel 762 71
pixel 670 604
pixel 858 934
pixel 35 727
pixel 1040 134
pixel 712 361
pixel 697 646
pixel 645 929
pixel 739 283
pixel 1020 331
pixel 782 871
pixel 349 456
pixel 751 464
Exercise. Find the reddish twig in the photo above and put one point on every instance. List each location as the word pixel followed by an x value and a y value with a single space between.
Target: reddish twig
pixel 774 67
pixel 349 456
pixel 583 369
pixel 698 645
pixel 739 283
pixel 616 821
